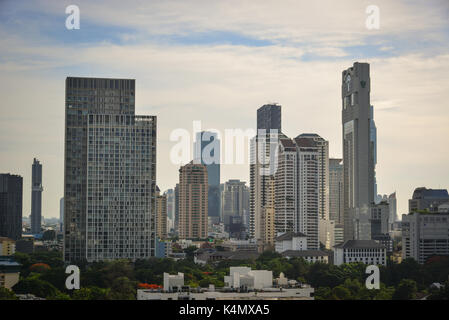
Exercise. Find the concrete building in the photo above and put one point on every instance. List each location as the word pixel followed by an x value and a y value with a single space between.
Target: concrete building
pixel 176 224
pixel 244 277
pixel 11 194
pixel 291 241
pixel 366 251
pixel 336 199
pixel 207 152
pixel 173 282
pixel 263 163
pixel 9 272
pixel 170 193
pixel 311 256
pixel 234 200
pixel 425 235
pixel 36 197
pixel 427 199
pixel 380 217
pixel 339 233
pixel 193 205
pixel 110 172
pixel 7 246
pixel 161 214
pixel 358 151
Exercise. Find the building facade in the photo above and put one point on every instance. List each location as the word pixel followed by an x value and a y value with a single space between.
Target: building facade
pixel 425 235
pixel 234 200
pixel 193 205
pixel 427 199
pixel 358 151
pixel 336 199
pixel 11 194
pixel 368 252
pixel 161 214
pixel 110 172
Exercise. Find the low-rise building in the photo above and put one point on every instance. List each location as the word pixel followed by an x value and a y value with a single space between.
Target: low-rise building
pixel 173 282
pixel 9 272
pixel 291 241
pixel 308 255
pixel 366 251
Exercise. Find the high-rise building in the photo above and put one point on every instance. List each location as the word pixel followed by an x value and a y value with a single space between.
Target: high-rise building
pixel 358 151
pixel 161 214
pixel 267 221
pixel 392 204
pixel 323 173
pixel 269 117
pixel 207 152
pixel 336 207
pixel 193 189
pixel 11 189
pixel 61 214
pixel 36 196
pixel 263 163
pixel 308 186
pixel 110 172
pixel 427 199
pixel 425 235
pixel 234 200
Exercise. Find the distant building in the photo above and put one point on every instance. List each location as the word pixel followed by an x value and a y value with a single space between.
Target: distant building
pixel 327 233
pixel 358 151
pixel 7 246
pixel 207 152
pixel 161 214
pixel 268 215
pixel 36 197
pixel 338 233
pixel 234 200
pixel 425 235
pixel 193 192
pixel 11 187
pixel 311 256
pixel 291 241
pixel 427 199
pixel 365 251
pixel 336 206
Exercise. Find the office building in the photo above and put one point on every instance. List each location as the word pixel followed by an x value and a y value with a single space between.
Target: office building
pixel 36 197
pixel 61 214
pixel 327 233
pixel 11 188
pixel 358 151
pixel 234 200
pixel 427 199
pixel 268 215
pixel 425 235
pixel 110 172
pixel 269 117
pixel 176 224
pixel 193 191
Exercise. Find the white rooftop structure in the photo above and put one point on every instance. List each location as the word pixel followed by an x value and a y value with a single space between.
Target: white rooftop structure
pixel 251 279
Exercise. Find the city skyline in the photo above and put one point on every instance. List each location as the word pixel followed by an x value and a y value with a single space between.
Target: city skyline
pixel 300 72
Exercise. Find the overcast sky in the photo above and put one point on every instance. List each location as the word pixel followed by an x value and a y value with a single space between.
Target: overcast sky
pixel 218 61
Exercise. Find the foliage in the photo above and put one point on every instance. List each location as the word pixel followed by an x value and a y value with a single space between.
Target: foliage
pixel 6 294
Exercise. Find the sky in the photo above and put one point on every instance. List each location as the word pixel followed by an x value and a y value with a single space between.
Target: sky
pixel 217 62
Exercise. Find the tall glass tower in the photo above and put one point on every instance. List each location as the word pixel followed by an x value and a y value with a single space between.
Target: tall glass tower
pixel 36 196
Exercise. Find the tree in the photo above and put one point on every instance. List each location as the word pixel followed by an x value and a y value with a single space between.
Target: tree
pixel 406 290
pixel 122 289
pixel 49 235
pixel 35 286
pixel 6 294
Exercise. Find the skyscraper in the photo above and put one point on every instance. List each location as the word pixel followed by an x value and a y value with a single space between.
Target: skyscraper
pixel 193 189
pixel 11 189
pixel 36 196
pixel 358 151
pixel 207 152
pixel 235 200
pixel 336 207
pixel 263 163
pixel 110 172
